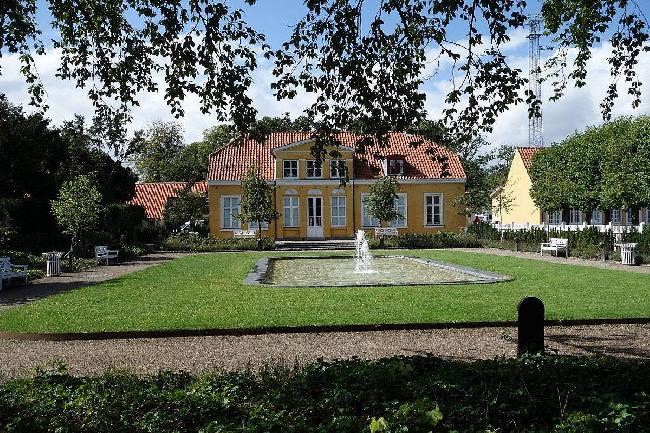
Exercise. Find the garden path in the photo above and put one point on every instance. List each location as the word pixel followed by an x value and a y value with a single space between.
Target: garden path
pixel 18 294
pixel 643 269
pixel 202 354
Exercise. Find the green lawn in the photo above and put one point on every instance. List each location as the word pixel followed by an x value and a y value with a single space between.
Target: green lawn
pixel 207 291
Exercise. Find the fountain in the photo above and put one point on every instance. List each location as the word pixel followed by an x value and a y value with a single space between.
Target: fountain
pixel 362 269
pixel 364 258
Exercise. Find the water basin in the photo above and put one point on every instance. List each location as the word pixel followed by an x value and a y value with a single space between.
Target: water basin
pixel 337 271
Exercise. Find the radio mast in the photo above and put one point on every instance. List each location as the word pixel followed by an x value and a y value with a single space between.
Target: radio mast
pixel 535 129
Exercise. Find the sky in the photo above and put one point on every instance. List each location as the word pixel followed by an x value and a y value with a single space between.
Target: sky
pixel 578 109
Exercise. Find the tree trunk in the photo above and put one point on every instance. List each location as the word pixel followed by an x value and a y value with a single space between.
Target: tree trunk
pixel 259 236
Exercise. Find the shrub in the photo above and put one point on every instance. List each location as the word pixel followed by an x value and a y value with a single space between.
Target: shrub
pixel 428 240
pixel 416 394
pixel 195 243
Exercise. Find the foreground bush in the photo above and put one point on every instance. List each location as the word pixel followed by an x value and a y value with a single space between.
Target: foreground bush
pixel 428 240
pixel 195 243
pixel 419 394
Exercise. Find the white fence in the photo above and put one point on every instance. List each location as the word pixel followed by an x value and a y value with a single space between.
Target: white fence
pixel 616 229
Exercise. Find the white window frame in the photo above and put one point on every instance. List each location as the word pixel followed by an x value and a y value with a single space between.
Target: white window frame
pixel 253 225
pixel 403 221
pixel 433 206
pixel 336 166
pixel 288 165
pixel 338 206
pixel 293 211
pixel 572 214
pixel 314 166
pixel 365 218
pixel 628 216
pixel 233 223
pixel 555 217
pixel 599 220
pixel 619 218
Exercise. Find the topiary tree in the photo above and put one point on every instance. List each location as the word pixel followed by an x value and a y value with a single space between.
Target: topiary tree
pixel 257 202
pixel 77 208
pixel 381 201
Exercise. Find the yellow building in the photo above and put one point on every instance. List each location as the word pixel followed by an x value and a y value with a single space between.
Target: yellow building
pixel 512 202
pixel 311 199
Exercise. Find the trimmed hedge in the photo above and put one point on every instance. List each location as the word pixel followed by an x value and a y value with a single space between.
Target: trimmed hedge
pixel 427 241
pixel 416 394
pixel 195 243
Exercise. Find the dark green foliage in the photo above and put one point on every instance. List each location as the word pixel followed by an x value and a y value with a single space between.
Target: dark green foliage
pixel 196 243
pixel 606 167
pixel 417 394
pixel 584 243
pixel 428 241
pixel 36 159
pixel 257 202
pixel 187 206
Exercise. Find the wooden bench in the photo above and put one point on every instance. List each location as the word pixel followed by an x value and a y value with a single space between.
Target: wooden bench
pixel 244 234
pixel 103 254
pixel 557 245
pixel 9 270
pixel 385 231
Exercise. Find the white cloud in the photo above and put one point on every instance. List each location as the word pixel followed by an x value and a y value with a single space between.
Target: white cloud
pixel 578 109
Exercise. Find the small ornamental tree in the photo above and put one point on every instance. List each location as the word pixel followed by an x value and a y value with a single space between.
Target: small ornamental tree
pixel 503 200
pixel 77 208
pixel 257 203
pixel 381 201
pixel 187 206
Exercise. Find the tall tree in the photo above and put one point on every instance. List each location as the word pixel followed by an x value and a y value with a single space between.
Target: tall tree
pixel 77 208
pixel 155 151
pixel 381 201
pixel 364 61
pixel 257 202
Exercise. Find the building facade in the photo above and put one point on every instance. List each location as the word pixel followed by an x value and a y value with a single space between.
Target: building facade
pixel 311 198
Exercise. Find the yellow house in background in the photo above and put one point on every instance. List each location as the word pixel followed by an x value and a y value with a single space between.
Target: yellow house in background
pixel 512 202
pixel 313 203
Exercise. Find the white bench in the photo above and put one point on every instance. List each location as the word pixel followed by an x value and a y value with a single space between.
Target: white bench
pixel 557 245
pixel 8 270
pixel 103 254
pixel 244 234
pixel 386 231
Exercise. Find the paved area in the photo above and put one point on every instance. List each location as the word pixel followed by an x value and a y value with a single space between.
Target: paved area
pixel 18 294
pixel 644 269
pixel 201 354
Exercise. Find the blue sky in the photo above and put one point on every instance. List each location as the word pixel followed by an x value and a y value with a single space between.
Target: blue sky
pixel 578 109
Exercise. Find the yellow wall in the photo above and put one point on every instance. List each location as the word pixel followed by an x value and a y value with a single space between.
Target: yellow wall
pixel 452 221
pixel 517 188
pixel 305 187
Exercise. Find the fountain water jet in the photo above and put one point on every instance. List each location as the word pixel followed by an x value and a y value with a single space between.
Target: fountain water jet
pixel 364 258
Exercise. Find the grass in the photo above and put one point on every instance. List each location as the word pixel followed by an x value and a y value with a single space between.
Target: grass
pixel 207 291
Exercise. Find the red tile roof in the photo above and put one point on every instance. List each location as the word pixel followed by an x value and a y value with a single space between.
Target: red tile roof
pixel 153 196
pixel 424 159
pixel 527 154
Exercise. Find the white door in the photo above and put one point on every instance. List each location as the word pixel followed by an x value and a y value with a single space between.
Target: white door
pixel 314 217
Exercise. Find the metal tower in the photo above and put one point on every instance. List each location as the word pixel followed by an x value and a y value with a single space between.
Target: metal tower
pixel 535 130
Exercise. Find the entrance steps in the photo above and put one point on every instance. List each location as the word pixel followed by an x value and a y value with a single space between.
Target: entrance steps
pixel 315 245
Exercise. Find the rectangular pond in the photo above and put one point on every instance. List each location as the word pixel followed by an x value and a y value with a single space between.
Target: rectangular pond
pixel 341 271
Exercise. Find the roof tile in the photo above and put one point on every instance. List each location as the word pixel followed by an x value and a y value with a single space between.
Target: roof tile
pixel 424 159
pixel 153 196
pixel 527 154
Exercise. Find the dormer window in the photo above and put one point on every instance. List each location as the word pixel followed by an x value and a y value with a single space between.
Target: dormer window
pixel 396 166
pixel 337 169
pixel 290 168
pixel 314 169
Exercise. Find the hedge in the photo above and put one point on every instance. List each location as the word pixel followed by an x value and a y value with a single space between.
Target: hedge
pixel 196 243
pixel 417 394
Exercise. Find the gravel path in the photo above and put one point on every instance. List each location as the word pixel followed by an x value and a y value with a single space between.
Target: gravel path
pixel 643 269
pixel 18 294
pixel 200 354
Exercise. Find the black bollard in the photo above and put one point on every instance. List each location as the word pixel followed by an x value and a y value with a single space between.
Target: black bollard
pixel 530 326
